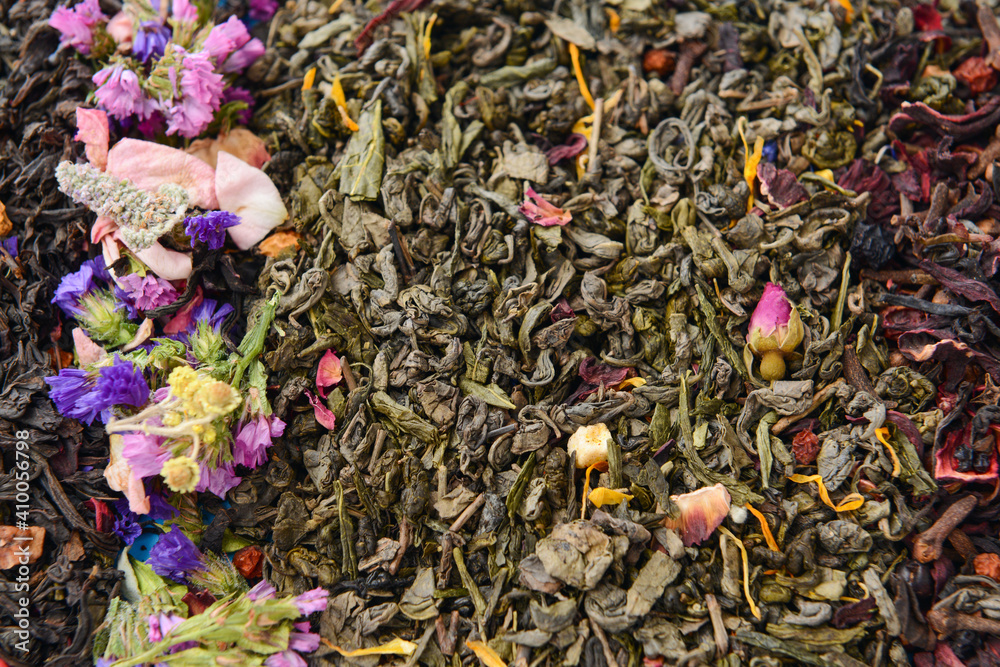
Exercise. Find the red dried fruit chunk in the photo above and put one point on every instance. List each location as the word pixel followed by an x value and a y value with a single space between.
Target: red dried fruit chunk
pixel 659 61
pixel 20 546
pixel 987 565
pixel 976 74
pixel 805 447
pixel 249 561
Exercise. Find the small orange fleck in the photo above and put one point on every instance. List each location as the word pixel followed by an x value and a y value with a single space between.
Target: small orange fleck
pixel 274 244
pixel 987 565
pixel 659 61
pixel 249 561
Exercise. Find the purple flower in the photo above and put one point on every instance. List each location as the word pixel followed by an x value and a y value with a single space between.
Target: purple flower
pixel 145 454
pixel 70 391
pixel 210 228
pixel 285 659
pixel 231 46
pixel 262 591
pixel 161 625
pixel 127 523
pixel 146 293
pixel 119 93
pixel 150 40
pixel 237 94
pixel 263 10
pixel 76 285
pixel 174 555
pixel 99 268
pixel 198 98
pixel 219 480
pixel 121 383
pixel 206 312
pixel 312 600
pixel 159 508
pixel 76 26
pixel 303 642
pixel 253 440
pixel 10 244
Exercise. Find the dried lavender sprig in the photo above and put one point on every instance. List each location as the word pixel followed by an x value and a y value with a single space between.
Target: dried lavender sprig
pixel 142 216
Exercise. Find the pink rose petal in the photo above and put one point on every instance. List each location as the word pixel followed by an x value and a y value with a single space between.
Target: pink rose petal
pixel 92 130
pixel 250 194
pixel 120 29
pixel 87 351
pixel 121 478
pixel 328 373
pixel 239 142
pixel 149 165
pixel 167 264
pixel 772 311
pixel 182 320
pixel 103 226
pixel 323 414
pixel 542 212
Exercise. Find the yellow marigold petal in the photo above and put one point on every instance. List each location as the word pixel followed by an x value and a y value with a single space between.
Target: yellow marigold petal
pixel 574 54
pixel 602 496
pixel 766 529
pixel 746 571
pixel 614 20
pixel 396 646
pixel 485 653
pixel 852 502
pixel 427 35
pixel 309 79
pixel 846 4
pixel 337 93
pixel 881 434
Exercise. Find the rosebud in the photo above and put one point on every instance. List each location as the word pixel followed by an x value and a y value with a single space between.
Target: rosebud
pixel 775 330
pixel 701 512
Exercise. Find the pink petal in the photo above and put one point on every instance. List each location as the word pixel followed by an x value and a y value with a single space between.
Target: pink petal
pixel 120 29
pixel 772 311
pixel 109 248
pixel 103 226
pixel 328 373
pixel 167 264
pixel 323 415
pixel 182 319
pixel 121 478
pixel 239 142
pixel 87 351
pixel 149 165
pixel 701 512
pixel 250 194
pixel 542 212
pixel 92 130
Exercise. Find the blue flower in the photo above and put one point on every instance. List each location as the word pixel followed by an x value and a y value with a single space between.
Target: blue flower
pixel 127 524
pixel 10 245
pixel 174 555
pixel 770 150
pixel 206 312
pixel 210 228
pixel 75 285
pixel 71 391
pixel 150 40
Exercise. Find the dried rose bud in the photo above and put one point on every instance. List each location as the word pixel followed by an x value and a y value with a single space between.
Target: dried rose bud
pixel 590 444
pixel 701 512
pixel 775 330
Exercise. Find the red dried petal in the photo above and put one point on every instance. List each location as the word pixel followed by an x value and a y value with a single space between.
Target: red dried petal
pixel 805 447
pixel 249 561
pixel 976 74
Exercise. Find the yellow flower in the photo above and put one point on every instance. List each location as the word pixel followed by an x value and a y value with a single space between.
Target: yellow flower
pixel 216 397
pixel 181 474
pixel 183 381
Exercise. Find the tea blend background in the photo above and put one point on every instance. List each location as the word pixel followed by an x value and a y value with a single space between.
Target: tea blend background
pixel 552 216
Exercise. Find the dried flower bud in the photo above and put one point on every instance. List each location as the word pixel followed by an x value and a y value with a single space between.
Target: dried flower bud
pixel 590 444
pixel 701 512
pixel 181 474
pixel 775 330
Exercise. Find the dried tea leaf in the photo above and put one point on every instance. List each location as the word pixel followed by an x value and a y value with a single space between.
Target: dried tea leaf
pixel 364 158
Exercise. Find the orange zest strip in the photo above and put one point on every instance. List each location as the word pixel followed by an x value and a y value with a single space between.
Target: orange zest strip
pixel 768 537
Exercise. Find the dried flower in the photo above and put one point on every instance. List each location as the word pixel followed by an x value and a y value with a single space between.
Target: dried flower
pixel 590 443
pixel 119 93
pixel 121 383
pixel 92 130
pixel 210 228
pixel 126 525
pixel 328 373
pixel 144 453
pixel 151 40
pixel 701 512
pixel 312 601
pixel 181 474
pixel 76 25
pixel 322 413
pixel 218 480
pixel 174 555
pixel 68 390
pixel 120 30
pixel 541 212
pixel 142 217
pixel 146 292
pixel 255 437
pixel 231 46
pixel 262 10
pixel 775 330
pixel 74 286
pixel 198 95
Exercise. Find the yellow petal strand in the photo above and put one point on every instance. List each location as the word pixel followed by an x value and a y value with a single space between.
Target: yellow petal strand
pixel 586 491
pixel 750 169
pixel 881 434
pixel 852 502
pixel 395 647
pixel 485 653
pixel 602 496
pixel 849 8
pixel 768 537
pixel 574 54
pixel 427 35
pixel 614 20
pixel 746 571
pixel 337 92
pixel 335 6
pixel 309 79
pixel 631 382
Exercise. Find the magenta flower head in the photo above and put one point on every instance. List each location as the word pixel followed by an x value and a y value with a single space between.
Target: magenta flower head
pixel 198 94
pixel 775 330
pixel 119 93
pixel 76 25
pixel 312 601
pixel 263 10
pixel 232 47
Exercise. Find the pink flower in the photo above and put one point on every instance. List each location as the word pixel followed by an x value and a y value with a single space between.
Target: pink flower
pixel 312 601
pixel 217 480
pixel 254 439
pixel 323 414
pixel 148 292
pixel 120 29
pixel 167 264
pixel 231 46
pixel 541 212
pixel 775 330
pixel 262 591
pixel 238 142
pixel 87 351
pixel 76 25
pixel 263 10
pixel 121 477
pixel 119 92
pixel 149 165
pixel 160 625
pixel 701 512
pixel 303 642
pixel 184 11
pixel 144 453
pixel 328 373
pixel 198 97
pixel 92 130
pixel 249 193
pixel 285 659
